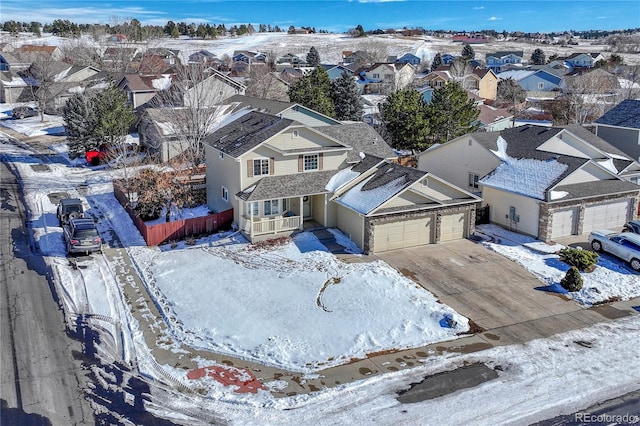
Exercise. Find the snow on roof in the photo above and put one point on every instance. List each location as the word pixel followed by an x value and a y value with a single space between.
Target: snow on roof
pixel 525 176
pixel 365 201
pixel 517 75
pixel 501 153
pixel 162 83
pixel 340 179
pixel 608 164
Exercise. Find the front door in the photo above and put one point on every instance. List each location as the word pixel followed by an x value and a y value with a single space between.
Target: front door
pixel 306 207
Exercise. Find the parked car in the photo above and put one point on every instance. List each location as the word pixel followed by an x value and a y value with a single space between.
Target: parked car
pixel 23 111
pixel 81 236
pixel 624 245
pixel 69 208
pixel 633 226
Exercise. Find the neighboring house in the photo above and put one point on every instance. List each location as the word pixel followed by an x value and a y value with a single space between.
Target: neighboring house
pixel 290 60
pixel 14 87
pixel 385 78
pixel 495 61
pixel 10 62
pixel 437 79
pixel 359 58
pixel 447 58
pixel 371 108
pixel 278 175
pixel 118 57
pixel 483 82
pixel 289 110
pixel 590 81
pixel 534 80
pixel 34 53
pixel 547 182
pixel 140 89
pixel 243 60
pixel 335 71
pixel 577 60
pixel 213 90
pixel 170 57
pixel 494 119
pixel 408 58
pixel 620 126
pixel 205 57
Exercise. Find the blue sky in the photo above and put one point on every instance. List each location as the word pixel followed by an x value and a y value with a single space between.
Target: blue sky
pixel 341 15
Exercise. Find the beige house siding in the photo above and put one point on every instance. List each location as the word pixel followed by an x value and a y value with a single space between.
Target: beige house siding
pixel 589 173
pixel 351 224
pixel 222 172
pixel 304 118
pixel 454 161
pixel 305 139
pixel 488 87
pixel 526 208
pixel 82 75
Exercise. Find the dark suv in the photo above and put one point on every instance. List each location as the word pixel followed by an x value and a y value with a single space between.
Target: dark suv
pixel 23 111
pixel 69 208
pixel 81 236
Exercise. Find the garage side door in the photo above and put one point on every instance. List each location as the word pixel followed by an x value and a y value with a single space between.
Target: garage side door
pixel 562 223
pixel 396 235
pixel 452 227
pixel 605 216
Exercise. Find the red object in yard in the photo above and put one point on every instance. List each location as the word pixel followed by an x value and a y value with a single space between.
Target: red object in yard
pixel 94 157
pixel 229 376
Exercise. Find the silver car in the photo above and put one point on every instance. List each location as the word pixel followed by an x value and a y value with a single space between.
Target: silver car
pixel 625 245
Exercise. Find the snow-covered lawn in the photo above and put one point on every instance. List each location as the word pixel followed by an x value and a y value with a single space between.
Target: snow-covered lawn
pixel 612 277
pixel 31 126
pixel 294 306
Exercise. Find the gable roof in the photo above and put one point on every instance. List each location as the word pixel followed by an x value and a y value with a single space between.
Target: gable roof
pixel 245 133
pixel 361 137
pixel 504 53
pixel 597 187
pixel 265 105
pixel 625 114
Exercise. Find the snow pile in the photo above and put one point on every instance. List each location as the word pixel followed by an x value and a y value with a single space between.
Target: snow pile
pixel 340 179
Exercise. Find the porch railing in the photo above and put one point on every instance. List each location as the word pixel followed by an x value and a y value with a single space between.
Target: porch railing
pixel 275 225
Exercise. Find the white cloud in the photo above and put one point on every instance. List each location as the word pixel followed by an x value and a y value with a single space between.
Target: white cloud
pixel 478 8
pixel 495 18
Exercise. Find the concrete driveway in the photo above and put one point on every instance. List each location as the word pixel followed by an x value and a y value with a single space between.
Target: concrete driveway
pixel 496 293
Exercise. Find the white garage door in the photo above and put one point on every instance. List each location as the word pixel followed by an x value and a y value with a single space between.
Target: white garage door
pixel 562 223
pixel 605 216
pixel 409 233
pixel 452 227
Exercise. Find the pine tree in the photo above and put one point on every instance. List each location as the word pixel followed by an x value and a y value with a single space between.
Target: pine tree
pixel 346 98
pixel 538 57
pixel 437 61
pixel 313 57
pixel 79 123
pixel 114 116
pixel 314 91
pixel 451 113
pixel 405 120
pixel 468 53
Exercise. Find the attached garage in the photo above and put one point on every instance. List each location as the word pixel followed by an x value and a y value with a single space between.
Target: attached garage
pixel 452 226
pixel 396 235
pixel 563 222
pixel 609 215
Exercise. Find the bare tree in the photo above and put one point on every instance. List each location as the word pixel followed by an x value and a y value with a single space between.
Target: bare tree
pixel 193 106
pixel 588 93
pixel 262 83
pixel 374 51
pixel 80 51
pixel 46 81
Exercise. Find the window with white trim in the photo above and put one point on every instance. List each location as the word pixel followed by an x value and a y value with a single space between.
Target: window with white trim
pixel 271 207
pixel 376 76
pixel 221 155
pixel 295 134
pixel 254 208
pixel 540 86
pixel 473 180
pixel 261 166
pixel 225 194
pixel 310 162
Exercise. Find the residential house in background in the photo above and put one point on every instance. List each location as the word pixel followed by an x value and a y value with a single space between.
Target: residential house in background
pixel 533 81
pixel 578 60
pixel 547 182
pixel 335 71
pixel 494 119
pixel 385 78
pixel 483 82
pixel 119 58
pixel 10 62
pixel 205 57
pixel 408 58
pixel 620 126
pixel 243 60
pixel 213 90
pixel 290 60
pixel 359 58
pixel 497 60
pixel 279 175
pixel 447 58
pixel 35 52
pixel 140 89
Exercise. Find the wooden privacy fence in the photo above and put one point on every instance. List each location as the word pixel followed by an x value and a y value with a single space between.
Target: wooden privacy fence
pixel 175 230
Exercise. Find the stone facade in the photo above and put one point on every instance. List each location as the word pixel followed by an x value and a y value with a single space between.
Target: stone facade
pixel 547 210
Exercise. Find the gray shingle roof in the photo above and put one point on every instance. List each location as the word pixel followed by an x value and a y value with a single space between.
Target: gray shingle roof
pixel 625 114
pixel 389 172
pixel 246 133
pixel 597 188
pixel 361 137
pixel 264 105
pixel 287 186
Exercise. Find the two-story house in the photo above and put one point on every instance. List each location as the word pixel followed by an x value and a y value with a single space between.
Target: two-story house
pixel 533 80
pixel 547 182
pixel 277 175
pixel 578 60
pixel 385 78
pixel 620 126
pixel 497 60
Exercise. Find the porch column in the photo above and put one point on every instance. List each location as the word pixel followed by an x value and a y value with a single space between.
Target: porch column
pixel 301 213
pixel 326 220
pixel 250 219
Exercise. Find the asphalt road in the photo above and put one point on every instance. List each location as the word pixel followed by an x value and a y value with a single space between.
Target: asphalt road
pixel 40 381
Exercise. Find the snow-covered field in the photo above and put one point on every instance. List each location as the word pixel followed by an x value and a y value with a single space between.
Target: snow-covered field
pixel 537 380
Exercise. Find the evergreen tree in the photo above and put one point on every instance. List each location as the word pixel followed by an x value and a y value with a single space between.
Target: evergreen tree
pixel 437 61
pixel 405 120
pixel 359 31
pixel 468 53
pixel 346 98
pixel 114 116
pixel 314 91
pixel 79 123
pixel 538 57
pixel 313 57
pixel 451 113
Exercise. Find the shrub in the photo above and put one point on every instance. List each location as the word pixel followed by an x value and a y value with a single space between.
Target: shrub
pixel 572 280
pixel 584 260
